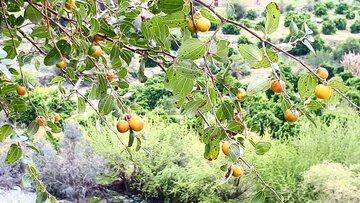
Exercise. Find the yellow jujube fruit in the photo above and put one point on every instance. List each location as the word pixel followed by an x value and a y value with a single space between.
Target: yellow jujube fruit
pixel 323 91
pixel 122 126
pixel 62 64
pixel 203 24
pixel 237 171
pixel 241 93
pixel 95 51
pixel 291 116
pixel 136 123
pixel 225 147
pixel 70 4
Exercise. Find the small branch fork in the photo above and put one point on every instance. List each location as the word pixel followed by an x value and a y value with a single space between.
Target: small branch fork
pixel 223 19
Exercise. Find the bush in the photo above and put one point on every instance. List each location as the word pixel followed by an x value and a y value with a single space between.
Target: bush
pixel 330 5
pixel 230 29
pixel 342 187
pixel 349 45
pixel 320 10
pixel 289 7
pixel 342 8
pixel 243 40
pixel 251 15
pixel 70 173
pixel 340 23
pixel 355 28
pixel 298 17
pixel 236 12
pixel 171 168
pixel 318 44
pixel 47 102
pixel 328 27
pixel 350 15
pixel 148 94
pixel 321 56
pixel 324 142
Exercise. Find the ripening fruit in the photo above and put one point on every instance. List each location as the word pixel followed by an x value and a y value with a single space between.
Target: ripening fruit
pixel 21 90
pixel 110 76
pixel 237 171
pixel 40 120
pixel 136 123
pixel 241 93
pixel 323 91
pixel 225 147
pixel 95 51
pixel 57 117
pixel 237 117
pixel 322 73
pixel 98 38
pixel 191 26
pixel 278 86
pixel 127 117
pixel 123 126
pixel 203 24
pixel 291 116
pixel 62 64
pixel 70 4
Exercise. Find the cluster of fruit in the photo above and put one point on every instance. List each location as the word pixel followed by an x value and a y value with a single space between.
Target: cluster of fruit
pixel 136 123
pixel 198 23
pixel 237 170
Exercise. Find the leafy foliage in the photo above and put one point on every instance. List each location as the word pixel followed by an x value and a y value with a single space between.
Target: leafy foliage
pixel 355 28
pixel 342 8
pixel 230 29
pixel 340 23
pixel 328 27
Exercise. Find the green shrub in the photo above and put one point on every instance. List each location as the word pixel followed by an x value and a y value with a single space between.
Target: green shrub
pixel 230 29
pixel 321 56
pixel 318 44
pixel 350 15
pixel 47 102
pixel 251 15
pixel 298 17
pixel 243 40
pixel 349 45
pixel 340 23
pixel 330 5
pixel 289 7
pixel 148 94
pixel 283 166
pixel 246 22
pixel 170 167
pixel 355 28
pixel 320 10
pixel 342 8
pixel 237 11
pixel 328 27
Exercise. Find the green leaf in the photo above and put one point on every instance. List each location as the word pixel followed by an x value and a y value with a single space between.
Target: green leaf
pixel 174 20
pixel 235 152
pixel 5 131
pixel 225 112
pixel 337 83
pixel 3 53
pixel 54 57
pixel 122 73
pixel 106 29
pixel 115 56
pixel 212 150
pixel 258 85
pixel 272 17
pixel 26 181
pixel 33 128
pixel 5 71
pixel 13 154
pixel 131 138
pixel 306 85
pixel 307 29
pixel 19 105
pixel 32 14
pixel 265 63
pixel 262 147
pixel 250 53
pixel 192 106
pixel 294 30
pixel 234 126
pixel 192 49
pixel 222 50
pixel 170 6
pixel 259 197
pixel 95 26
pixel 210 16
pixel 313 105
pixel 40 32
pixel 57 79
pixel 81 105
pixel 106 104
pixel 309 46
pixel 156 29
pixel 41 197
